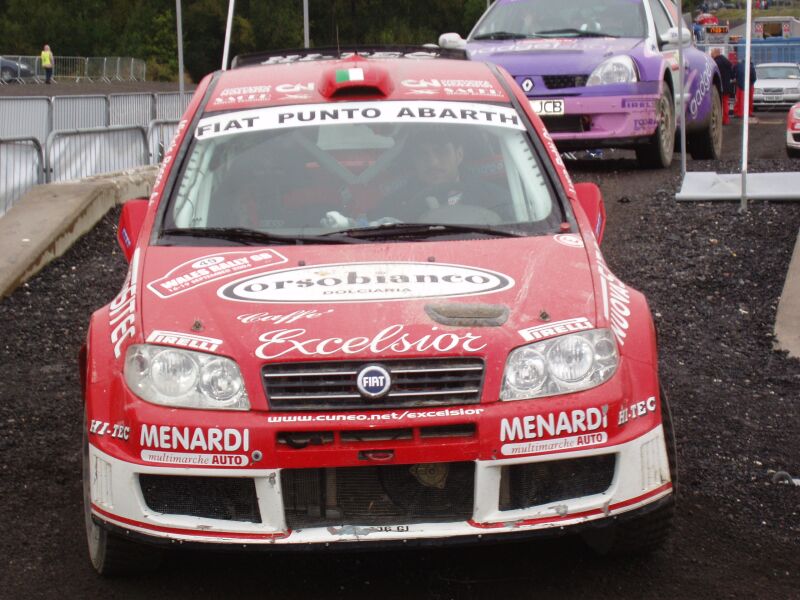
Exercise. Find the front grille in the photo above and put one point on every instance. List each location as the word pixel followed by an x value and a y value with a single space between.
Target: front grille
pixel 564 124
pixel 395 494
pixel 332 385
pixel 773 90
pixel 557 82
pixel 227 498
pixel 532 484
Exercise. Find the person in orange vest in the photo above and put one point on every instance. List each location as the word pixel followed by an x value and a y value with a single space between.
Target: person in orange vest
pixel 47 63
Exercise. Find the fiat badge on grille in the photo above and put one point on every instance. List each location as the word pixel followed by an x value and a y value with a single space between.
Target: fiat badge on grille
pixel 373 381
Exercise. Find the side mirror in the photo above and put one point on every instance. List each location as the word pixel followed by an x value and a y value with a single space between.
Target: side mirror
pixel 591 201
pixel 671 36
pixel 452 41
pixel 130 223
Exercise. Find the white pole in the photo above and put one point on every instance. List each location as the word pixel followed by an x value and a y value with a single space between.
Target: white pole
pixel 682 78
pixel 306 39
pixel 746 119
pixel 228 29
pixel 179 19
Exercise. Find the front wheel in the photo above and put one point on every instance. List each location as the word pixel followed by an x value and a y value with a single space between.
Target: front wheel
pixel 707 144
pixel 7 74
pixel 112 555
pixel 649 532
pixel 657 153
pixel 792 152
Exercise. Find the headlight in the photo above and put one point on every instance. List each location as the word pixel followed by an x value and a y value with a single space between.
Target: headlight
pixel 617 69
pixel 184 379
pixel 568 363
pixel 796 113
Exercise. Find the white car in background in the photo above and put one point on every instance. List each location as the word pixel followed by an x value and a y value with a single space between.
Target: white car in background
pixel 777 84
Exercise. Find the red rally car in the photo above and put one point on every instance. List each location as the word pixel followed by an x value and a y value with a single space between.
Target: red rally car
pixel 367 305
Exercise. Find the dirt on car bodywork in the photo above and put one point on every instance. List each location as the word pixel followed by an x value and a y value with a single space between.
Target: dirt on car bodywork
pixel 713 279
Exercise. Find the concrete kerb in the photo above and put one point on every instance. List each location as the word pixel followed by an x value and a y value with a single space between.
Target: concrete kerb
pixel 787 321
pixel 47 220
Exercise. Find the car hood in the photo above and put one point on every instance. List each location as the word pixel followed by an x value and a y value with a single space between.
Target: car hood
pixel 552 56
pixel 456 298
pixel 760 84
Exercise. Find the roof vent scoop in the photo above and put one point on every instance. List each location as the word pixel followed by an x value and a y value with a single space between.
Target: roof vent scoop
pixel 468 315
pixel 357 79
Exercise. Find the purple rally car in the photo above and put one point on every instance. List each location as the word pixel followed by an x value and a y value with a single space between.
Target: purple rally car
pixel 604 73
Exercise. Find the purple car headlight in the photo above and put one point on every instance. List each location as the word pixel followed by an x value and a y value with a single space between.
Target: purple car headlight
pixel 617 69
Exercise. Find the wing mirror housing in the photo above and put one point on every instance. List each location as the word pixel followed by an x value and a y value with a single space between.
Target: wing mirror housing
pixel 130 224
pixel 670 37
pixel 452 41
pixel 590 200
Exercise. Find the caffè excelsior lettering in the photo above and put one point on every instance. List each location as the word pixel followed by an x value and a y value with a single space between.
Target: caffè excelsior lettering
pixel 392 339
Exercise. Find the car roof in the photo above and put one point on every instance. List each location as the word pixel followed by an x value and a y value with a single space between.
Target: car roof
pixel 781 64
pixel 355 78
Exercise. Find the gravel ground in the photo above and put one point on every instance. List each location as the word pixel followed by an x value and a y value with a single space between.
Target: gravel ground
pixel 713 278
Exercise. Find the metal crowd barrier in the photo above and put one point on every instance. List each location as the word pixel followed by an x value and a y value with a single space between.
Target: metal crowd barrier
pixel 171 105
pixel 77 154
pixel 104 68
pixel 22 165
pixel 26 116
pixel 159 134
pixel 80 112
pixel 131 109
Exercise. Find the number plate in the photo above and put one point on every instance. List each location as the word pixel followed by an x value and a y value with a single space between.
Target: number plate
pixel 773 98
pixel 548 107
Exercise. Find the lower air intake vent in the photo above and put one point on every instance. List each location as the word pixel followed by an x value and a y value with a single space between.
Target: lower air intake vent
pixel 533 484
pixel 396 494
pixel 226 498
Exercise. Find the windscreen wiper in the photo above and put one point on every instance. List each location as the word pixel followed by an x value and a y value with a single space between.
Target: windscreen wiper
pixel 502 35
pixel 420 230
pixel 250 237
pixel 576 32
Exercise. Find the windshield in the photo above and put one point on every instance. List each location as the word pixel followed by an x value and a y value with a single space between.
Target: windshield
pixel 566 18
pixel 315 172
pixel 787 72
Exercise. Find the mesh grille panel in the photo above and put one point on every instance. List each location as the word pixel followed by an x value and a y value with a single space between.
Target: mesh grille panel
pixel 563 124
pixel 332 385
pixel 531 484
pixel 396 494
pixel 557 82
pixel 227 498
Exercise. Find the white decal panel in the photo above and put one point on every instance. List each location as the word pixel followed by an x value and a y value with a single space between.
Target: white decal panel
pixel 548 330
pixel 366 282
pixel 194 446
pixel 184 340
pixel 200 271
pixel 616 300
pixel 122 312
pixel 391 111
pixel 534 434
pixel 548 106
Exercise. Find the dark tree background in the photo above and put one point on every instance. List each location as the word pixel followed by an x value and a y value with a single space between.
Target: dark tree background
pixel 146 28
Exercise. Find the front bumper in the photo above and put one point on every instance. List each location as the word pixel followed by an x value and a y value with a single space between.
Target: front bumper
pixel 640 478
pixel 617 118
pixel 792 138
pixel 776 101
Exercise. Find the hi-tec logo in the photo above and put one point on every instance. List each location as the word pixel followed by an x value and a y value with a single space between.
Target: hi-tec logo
pixel 373 381
pixel 366 282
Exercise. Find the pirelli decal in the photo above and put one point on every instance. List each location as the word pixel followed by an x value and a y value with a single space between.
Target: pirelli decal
pixel 280 117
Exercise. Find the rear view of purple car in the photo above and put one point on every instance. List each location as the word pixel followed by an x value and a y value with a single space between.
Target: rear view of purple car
pixel 604 73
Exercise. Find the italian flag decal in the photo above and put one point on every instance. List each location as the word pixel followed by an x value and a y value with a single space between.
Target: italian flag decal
pixel 343 75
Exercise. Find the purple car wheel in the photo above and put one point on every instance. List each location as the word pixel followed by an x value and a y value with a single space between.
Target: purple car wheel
pixel 657 153
pixel 707 143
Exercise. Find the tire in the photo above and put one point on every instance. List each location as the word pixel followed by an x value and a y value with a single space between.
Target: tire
pixel 112 555
pixel 7 74
pixel 707 144
pixel 792 152
pixel 649 532
pixel 657 153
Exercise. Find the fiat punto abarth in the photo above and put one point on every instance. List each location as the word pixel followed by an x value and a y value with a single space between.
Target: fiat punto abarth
pixel 356 313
